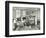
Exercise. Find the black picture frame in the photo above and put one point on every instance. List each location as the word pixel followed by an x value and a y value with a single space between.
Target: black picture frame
pixel 7 18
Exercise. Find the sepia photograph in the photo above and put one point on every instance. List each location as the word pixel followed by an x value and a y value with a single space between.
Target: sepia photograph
pixel 24 18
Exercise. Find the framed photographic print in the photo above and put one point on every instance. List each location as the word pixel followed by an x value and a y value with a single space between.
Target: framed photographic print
pixel 24 18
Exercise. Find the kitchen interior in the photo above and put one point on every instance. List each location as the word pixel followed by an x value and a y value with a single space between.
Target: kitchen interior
pixel 26 18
